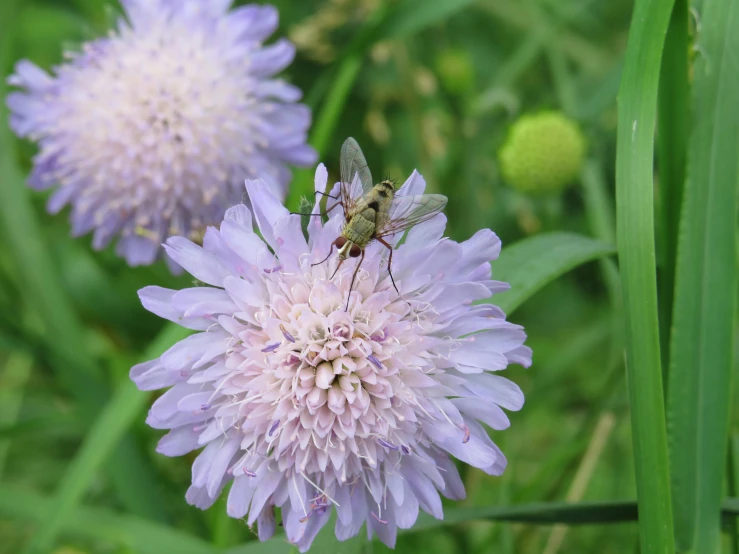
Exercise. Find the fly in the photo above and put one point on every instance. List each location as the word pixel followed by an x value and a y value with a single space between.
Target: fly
pixel 373 212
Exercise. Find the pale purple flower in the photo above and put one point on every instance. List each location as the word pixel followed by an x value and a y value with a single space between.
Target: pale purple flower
pixel 152 130
pixel 308 407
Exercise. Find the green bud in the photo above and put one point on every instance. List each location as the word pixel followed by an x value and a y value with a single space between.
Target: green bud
pixel 543 153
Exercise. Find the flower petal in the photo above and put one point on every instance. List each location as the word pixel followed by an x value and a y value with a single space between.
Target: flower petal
pixel 202 265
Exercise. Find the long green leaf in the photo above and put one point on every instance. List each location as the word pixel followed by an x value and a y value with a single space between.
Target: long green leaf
pixel 108 429
pixel 140 535
pixel 635 234
pixel 706 284
pixel 531 263
pixel 672 146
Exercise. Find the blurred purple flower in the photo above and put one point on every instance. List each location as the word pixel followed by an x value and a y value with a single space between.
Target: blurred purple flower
pixel 306 406
pixel 152 130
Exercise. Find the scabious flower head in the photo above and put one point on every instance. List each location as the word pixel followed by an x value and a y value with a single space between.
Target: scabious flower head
pixel 309 406
pixel 543 153
pixel 152 130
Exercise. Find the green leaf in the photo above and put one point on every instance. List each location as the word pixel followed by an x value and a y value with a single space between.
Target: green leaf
pixel 140 535
pixel 123 409
pixel 672 145
pixel 635 235
pixel 706 284
pixel 537 513
pixel 548 513
pixel 531 263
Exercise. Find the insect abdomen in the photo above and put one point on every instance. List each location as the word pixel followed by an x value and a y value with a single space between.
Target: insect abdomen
pixel 361 229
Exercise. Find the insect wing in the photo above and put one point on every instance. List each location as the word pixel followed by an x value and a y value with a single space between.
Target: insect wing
pixel 353 168
pixel 407 211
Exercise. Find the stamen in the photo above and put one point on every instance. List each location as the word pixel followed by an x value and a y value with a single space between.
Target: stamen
pixel 272 429
pixel 274 269
pixel 205 407
pixel 383 521
pixel 381 337
pixel 405 449
pixel 249 473
pixel 466 437
pixel 287 335
pixel 387 444
pixel 271 347
pixel 375 362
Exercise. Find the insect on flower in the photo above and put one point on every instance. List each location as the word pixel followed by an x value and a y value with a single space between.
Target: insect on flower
pixel 373 212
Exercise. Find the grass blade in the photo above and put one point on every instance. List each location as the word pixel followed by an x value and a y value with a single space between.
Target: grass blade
pixel 635 235
pixel 672 146
pixel 113 422
pixel 706 284
pixel 531 263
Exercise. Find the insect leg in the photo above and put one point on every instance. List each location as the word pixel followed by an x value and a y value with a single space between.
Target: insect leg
pixel 319 213
pixel 389 262
pixel 331 250
pixel 352 283
pixel 325 194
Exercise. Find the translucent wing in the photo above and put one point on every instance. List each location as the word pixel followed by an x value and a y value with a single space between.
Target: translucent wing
pixel 407 211
pixel 353 165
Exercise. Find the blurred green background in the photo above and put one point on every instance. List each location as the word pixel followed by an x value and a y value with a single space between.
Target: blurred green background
pixel 439 86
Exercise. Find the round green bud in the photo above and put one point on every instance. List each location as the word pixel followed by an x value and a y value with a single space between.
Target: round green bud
pixel 543 153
